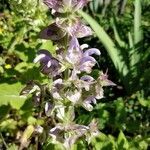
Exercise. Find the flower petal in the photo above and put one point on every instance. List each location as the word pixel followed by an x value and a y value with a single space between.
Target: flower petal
pixel 92 51
pixel 48 109
pixel 74 52
pixel 49 65
pixel 38 58
pixel 55 133
pixel 87 106
pixel 87 63
pixel 57 5
pixel 87 103
pixel 74 96
pixel 87 78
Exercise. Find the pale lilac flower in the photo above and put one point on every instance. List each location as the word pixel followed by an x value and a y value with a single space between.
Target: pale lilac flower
pixel 101 82
pixel 55 90
pixel 67 134
pixel 56 133
pixel 87 103
pixel 79 30
pixel 57 5
pixel 79 4
pixel 49 65
pixel 81 61
pixel 49 109
pixel 99 92
pixel 103 79
pixel 73 95
pixel 62 27
pixel 62 6
pixel 83 83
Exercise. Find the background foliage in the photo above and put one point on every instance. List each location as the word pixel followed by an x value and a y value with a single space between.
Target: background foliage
pixel 122 30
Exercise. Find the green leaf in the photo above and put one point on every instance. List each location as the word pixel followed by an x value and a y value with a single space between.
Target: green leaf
pixel 135 53
pixel 117 36
pixel 12 147
pixel 4 110
pixel 122 141
pixel 120 113
pixel 9 95
pixel 48 45
pixel 8 124
pixel 102 142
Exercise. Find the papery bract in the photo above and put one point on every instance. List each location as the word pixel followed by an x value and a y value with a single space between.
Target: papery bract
pixel 62 6
pixel 48 109
pixel 52 32
pixel 34 88
pixel 101 82
pixel 74 28
pixel 56 88
pixel 57 5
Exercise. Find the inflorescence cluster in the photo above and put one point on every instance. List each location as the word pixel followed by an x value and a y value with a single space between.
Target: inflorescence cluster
pixel 70 71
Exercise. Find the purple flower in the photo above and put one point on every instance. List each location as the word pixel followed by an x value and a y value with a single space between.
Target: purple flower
pixel 81 61
pixel 68 134
pixel 56 89
pixel 87 103
pixel 48 109
pixel 57 5
pixel 101 82
pixel 49 65
pixel 103 78
pixel 63 6
pixel 83 83
pixel 56 133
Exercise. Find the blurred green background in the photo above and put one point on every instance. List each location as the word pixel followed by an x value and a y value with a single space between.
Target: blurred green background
pixel 122 33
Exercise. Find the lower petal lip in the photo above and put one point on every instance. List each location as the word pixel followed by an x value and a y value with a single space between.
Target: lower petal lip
pixel 38 58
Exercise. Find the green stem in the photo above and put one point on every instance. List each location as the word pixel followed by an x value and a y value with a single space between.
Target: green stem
pixel 3 140
pixel 17 39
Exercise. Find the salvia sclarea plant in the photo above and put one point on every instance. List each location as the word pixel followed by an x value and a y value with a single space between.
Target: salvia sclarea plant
pixel 69 70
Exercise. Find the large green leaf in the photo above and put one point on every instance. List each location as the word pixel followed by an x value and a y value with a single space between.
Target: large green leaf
pixel 135 53
pixel 9 95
